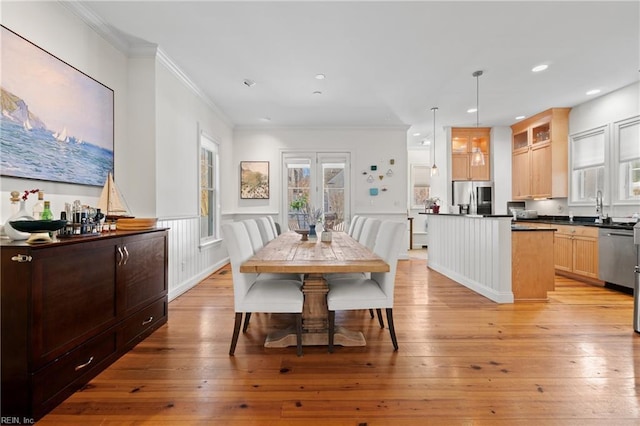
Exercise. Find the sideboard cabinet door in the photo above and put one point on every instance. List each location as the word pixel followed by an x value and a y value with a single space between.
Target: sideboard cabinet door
pixel 74 296
pixel 142 265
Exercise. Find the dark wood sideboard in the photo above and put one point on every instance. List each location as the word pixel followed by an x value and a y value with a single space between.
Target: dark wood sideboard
pixel 71 308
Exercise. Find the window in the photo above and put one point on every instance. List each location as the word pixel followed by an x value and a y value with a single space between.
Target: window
pixel 420 185
pixel 319 180
pixel 588 165
pixel 209 190
pixel 627 160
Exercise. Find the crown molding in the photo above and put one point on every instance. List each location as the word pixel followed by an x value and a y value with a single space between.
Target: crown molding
pixel 142 49
pixel 165 60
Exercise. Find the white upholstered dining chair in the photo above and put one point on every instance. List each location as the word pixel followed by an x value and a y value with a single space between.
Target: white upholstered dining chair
pixel 253 295
pixel 370 293
pixel 367 238
pixel 267 232
pixel 357 227
pixel 257 244
pixel 352 225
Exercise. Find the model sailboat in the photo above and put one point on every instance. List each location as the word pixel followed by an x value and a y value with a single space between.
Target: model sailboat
pixel 111 202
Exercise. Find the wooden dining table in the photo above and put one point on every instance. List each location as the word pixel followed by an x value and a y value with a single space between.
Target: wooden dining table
pixel 289 253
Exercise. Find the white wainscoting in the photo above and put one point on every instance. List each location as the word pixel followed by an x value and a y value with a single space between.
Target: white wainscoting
pixel 188 262
pixel 474 251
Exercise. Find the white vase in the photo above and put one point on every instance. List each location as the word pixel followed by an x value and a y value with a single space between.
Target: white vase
pixel 21 214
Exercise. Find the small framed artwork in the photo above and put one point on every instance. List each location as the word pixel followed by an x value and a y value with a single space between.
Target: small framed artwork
pixel 254 180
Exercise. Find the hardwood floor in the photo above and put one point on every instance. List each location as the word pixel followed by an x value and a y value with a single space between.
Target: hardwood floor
pixel 574 360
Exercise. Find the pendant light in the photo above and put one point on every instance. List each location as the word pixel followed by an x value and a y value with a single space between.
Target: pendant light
pixel 477 158
pixel 434 168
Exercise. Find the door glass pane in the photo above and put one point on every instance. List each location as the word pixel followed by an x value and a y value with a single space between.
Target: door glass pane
pixel 333 195
pixel 298 192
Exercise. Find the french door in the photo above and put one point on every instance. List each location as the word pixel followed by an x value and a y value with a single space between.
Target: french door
pixel 319 181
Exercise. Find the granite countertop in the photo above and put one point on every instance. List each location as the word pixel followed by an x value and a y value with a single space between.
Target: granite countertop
pixel 580 221
pixel 518 225
pixel 528 228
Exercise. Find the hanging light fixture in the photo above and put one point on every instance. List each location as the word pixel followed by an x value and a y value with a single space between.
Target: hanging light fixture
pixel 434 168
pixel 477 158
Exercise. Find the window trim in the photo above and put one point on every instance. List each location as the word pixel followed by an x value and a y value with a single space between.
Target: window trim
pixel 576 137
pixel 206 141
pixel 615 169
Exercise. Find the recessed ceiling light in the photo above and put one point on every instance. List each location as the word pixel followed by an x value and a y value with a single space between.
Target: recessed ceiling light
pixel 249 83
pixel 426 142
pixel 416 134
pixel 266 119
pixel 520 117
pixel 470 110
pixel 593 92
pixel 539 68
pixel 317 92
pixel 320 77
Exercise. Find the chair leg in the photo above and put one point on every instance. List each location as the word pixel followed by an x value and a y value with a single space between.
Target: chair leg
pixel 371 313
pixel 332 329
pixel 299 333
pixel 247 316
pixel 392 329
pixel 236 332
pixel 379 311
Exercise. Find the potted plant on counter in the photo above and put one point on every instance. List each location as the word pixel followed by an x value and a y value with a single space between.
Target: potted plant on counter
pixel 431 205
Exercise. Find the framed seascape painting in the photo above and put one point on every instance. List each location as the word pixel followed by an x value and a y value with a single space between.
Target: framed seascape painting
pixel 254 179
pixel 57 122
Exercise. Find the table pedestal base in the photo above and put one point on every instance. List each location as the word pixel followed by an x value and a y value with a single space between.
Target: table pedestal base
pixel 314 321
pixel 287 337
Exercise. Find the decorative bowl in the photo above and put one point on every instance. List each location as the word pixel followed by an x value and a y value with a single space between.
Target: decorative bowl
pixel 35 226
pixel 304 233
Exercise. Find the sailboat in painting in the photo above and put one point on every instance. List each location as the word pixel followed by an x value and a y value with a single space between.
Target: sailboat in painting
pixel 61 136
pixel 111 201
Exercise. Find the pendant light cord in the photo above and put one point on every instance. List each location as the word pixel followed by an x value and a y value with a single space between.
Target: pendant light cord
pixel 477 75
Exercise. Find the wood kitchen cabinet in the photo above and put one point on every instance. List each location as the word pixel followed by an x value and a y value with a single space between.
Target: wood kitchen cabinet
pixel 576 250
pixel 465 141
pixel 70 308
pixel 539 155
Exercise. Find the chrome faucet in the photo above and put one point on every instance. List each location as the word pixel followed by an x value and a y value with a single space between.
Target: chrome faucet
pixel 599 207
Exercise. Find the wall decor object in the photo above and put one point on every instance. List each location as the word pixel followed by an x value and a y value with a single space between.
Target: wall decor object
pixel 57 122
pixel 374 168
pixel 370 178
pixel 373 191
pixel 254 180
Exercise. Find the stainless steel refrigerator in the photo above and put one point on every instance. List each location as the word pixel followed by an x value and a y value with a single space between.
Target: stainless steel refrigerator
pixel 473 197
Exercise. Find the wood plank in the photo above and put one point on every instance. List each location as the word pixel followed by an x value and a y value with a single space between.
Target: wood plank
pixel 289 254
pixel 463 359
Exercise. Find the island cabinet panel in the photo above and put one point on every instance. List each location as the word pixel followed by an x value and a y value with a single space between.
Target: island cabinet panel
pixel 72 307
pixel 532 264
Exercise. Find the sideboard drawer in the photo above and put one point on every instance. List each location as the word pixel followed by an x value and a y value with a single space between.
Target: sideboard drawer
pixel 83 362
pixel 148 319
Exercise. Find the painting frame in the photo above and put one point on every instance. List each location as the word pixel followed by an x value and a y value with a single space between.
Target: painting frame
pixel 254 180
pixel 58 123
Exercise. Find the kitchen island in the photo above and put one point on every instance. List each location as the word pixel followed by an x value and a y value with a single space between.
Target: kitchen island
pixel 489 256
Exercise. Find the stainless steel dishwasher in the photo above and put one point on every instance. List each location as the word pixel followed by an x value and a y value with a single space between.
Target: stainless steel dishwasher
pixel 617 256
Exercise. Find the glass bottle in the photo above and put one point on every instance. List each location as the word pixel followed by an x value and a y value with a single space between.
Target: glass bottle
pixel 46 213
pixel 38 207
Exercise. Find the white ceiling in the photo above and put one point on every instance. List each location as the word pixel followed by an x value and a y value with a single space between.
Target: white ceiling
pixel 387 63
